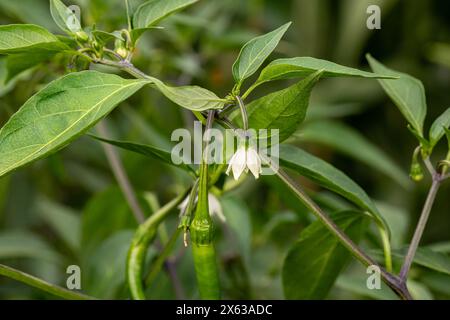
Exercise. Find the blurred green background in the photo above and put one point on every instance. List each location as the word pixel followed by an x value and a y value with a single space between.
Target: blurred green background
pixel 68 210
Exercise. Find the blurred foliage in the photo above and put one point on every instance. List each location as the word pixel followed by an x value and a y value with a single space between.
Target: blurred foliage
pixel 67 209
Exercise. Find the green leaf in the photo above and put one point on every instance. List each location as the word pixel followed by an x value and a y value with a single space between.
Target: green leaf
pixel 194 98
pixel 303 66
pixel 153 152
pixel 24 244
pixel 427 258
pixel 328 177
pixel 407 93
pixel 64 17
pixel 58 114
pixel 314 262
pixel 27 38
pixel 153 11
pixel 350 142
pixel 283 110
pixel 104 37
pixel 438 127
pixel 64 221
pixel 255 52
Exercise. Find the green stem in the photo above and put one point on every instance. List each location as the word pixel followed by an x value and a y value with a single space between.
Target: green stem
pixel 391 280
pixel 130 26
pixel 41 284
pixel 139 245
pixel 420 228
pixel 243 113
pixel 121 176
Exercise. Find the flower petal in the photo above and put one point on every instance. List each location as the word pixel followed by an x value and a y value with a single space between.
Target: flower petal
pixel 254 162
pixel 238 163
pixel 215 208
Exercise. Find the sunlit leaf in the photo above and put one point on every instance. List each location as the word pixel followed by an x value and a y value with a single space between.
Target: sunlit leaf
pixel 59 113
pixel 28 38
pixel 283 110
pixel 303 66
pixel 407 93
pixel 255 52
pixel 194 98
pixel 437 130
pixel 64 17
pixel 153 11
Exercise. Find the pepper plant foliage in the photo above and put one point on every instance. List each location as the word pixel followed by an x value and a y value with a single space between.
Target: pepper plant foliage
pixel 103 76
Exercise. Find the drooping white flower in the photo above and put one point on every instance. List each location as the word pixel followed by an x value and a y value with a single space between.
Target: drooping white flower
pixel 254 162
pixel 238 162
pixel 245 159
pixel 215 208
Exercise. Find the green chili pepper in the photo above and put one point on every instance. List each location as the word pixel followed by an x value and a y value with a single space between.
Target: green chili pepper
pixel 202 243
pixel 138 249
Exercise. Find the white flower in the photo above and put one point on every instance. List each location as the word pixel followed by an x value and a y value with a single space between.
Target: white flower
pixel 215 208
pixel 245 159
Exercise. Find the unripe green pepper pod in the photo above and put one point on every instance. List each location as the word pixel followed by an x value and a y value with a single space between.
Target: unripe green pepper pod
pixel 139 246
pixel 203 250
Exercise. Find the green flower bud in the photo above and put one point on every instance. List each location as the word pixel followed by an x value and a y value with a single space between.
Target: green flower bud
pixel 120 48
pixel 416 172
pixel 81 35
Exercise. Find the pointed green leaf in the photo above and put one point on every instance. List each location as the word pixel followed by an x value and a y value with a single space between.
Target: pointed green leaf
pixel 328 177
pixel 303 66
pixel 255 52
pixel 350 142
pixel 317 258
pixel 153 11
pixel 283 110
pixel 194 98
pixel 59 113
pixel 149 151
pixel 27 38
pixel 105 37
pixel 64 17
pixel 438 127
pixel 407 93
